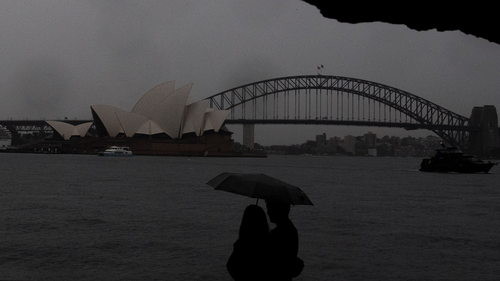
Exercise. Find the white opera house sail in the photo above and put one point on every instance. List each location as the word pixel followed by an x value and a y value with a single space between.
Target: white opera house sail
pixel 163 110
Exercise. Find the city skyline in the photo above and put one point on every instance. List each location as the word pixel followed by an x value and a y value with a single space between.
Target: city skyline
pixel 314 130
pixel 313 137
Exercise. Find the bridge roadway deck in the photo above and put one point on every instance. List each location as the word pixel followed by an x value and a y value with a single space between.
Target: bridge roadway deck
pixel 407 126
pixel 37 125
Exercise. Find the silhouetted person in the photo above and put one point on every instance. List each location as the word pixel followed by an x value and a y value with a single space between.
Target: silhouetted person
pixel 249 260
pixel 283 241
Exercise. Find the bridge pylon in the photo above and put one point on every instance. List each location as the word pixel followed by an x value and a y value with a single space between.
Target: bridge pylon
pixel 248 135
pixel 486 138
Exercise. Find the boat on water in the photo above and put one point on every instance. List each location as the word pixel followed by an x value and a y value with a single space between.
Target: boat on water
pixel 117 151
pixel 453 160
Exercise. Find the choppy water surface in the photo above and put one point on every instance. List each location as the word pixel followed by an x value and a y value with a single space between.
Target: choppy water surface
pixel 150 218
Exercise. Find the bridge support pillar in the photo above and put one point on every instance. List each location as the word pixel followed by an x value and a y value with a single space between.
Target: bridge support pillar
pixel 248 135
pixel 487 137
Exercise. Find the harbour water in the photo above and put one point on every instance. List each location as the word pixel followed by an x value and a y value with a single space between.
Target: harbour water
pixel 73 217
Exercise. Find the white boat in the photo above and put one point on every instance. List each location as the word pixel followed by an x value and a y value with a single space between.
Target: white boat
pixel 117 151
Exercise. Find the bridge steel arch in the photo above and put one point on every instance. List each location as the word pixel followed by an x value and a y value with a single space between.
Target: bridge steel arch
pixel 336 100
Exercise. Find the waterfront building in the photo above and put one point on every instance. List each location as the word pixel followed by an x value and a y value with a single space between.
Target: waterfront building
pixel 349 144
pixel 163 122
pixel 334 142
pixel 321 139
pixel 370 139
pixel 372 152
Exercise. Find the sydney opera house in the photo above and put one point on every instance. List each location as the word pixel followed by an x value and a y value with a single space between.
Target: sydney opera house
pixel 163 122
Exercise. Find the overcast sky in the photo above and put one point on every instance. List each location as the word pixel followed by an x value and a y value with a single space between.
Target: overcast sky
pixel 59 57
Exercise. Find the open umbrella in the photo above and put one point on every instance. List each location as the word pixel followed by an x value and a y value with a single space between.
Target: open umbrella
pixel 260 186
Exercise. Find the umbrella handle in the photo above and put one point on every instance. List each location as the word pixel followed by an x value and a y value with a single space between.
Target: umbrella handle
pixel 257 203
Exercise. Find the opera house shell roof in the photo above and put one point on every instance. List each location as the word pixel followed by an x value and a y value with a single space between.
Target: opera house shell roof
pixel 162 110
pixel 67 130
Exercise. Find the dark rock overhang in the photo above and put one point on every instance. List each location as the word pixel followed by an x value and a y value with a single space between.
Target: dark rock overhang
pixel 472 19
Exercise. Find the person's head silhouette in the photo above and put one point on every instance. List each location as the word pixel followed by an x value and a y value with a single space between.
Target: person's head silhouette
pixel 277 211
pixel 254 223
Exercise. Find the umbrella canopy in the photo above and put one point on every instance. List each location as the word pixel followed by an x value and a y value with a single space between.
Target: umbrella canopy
pixel 260 186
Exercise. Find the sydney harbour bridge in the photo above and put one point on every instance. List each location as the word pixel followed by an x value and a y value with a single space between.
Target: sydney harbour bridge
pixel 335 100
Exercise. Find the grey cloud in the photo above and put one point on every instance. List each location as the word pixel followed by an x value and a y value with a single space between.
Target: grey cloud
pixel 41 88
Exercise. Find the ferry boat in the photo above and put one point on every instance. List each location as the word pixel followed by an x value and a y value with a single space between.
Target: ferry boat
pixel 116 151
pixel 453 160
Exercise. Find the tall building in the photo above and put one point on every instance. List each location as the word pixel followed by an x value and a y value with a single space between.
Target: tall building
pixel 334 142
pixel 321 139
pixel 349 144
pixel 370 139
